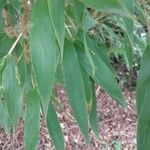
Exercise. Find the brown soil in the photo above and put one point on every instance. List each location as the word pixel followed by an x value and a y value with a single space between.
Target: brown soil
pixel 117 127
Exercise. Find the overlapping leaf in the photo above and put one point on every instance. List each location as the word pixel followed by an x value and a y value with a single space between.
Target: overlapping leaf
pixel 44 49
pixel 32 120
pixel 75 87
pixel 144 75
pixel 143 130
pixel 13 93
pixel 129 24
pixel 93 118
pixel 4 119
pixel 57 13
pixel 103 75
pixel 142 101
pixel 54 128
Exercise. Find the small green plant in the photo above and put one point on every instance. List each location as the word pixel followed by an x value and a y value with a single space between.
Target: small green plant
pixel 45 42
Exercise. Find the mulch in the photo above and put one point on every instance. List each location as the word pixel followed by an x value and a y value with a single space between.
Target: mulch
pixel 117 126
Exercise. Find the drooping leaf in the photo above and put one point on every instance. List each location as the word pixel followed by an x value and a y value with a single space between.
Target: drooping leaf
pixel 87 88
pixel 32 120
pixel 129 22
pixel 103 75
pixel 57 13
pixel 44 49
pixel 54 128
pixel 129 25
pixel 86 48
pixel 144 75
pixel 13 93
pixel 4 119
pixel 90 100
pixel 143 130
pixel 21 64
pixel 128 51
pixel 100 50
pixel 28 81
pixel 74 86
pixel 93 118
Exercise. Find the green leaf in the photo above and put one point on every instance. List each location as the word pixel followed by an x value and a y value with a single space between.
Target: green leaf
pixel 129 25
pixel 44 49
pixel 16 5
pixel 129 22
pixel 2 4
pixel 4 119
pixel 75 87
pixel 54 128
pixel 103 75
pixel 57 13
pixel 90 100
pixel 21 64
pixel 28 81
pixel 13 93
pixel 32 120
pixel 100 50
pixel 79 7
pixel 5 45
pixel 128 51
pixel 87 87
pixel 143 130
pixel 93 118
pixel 115 6
pixel 144 75
pixel 87 51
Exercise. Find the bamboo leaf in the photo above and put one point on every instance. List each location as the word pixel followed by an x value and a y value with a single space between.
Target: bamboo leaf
pixel 93 118
pixel 129 24
pixel 143 130
pixel 103 75
pixel 87 87
pixel 54 128
pixel 32 120
pixel 57 13
pixel 13 93
pixel 75 87
pixel 144 74
pixel 44 49
pixel 128 51
pixel 4 119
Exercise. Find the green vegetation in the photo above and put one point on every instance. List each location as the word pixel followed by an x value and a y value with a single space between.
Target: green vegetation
pixel 70 42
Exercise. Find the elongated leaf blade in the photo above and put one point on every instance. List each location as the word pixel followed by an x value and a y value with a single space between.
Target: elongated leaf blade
pixel 103 75
pixel 87 88
pixel 128 53
pixel 144 75
pixel 13 93
pixel 54 128
pixel 129 25
pixel 75 87
pixel 32 120
pixel 44 49
pixel 143 130
pixel 4 119
pixel 93 118
pixel 57 13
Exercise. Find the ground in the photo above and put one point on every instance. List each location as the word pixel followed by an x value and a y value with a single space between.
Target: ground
pixel 117 127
